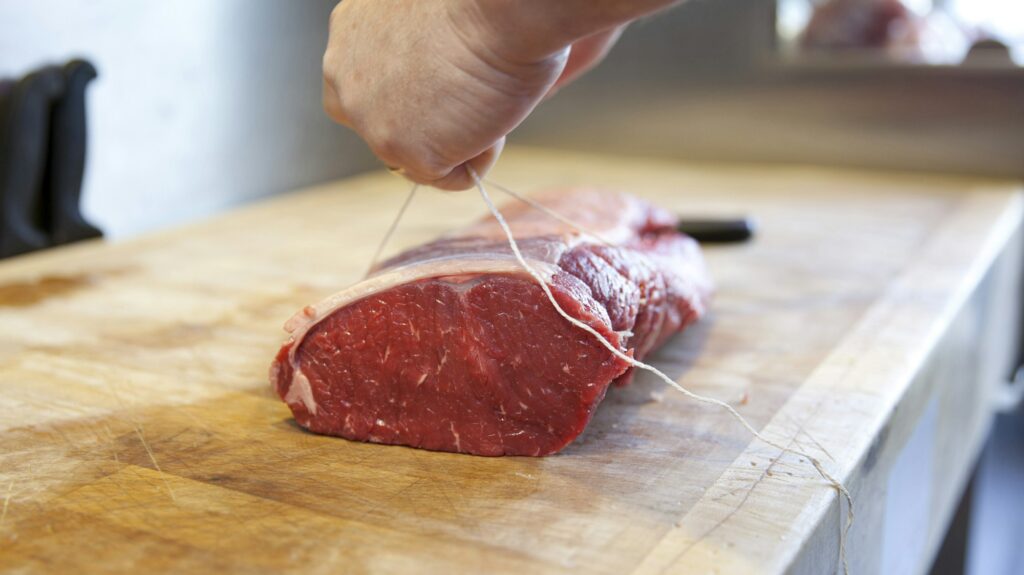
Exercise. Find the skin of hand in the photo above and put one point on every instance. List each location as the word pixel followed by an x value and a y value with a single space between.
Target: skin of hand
pixel 585 54
pixel 434 86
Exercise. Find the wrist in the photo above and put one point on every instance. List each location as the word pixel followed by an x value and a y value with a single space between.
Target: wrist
pixel 535 29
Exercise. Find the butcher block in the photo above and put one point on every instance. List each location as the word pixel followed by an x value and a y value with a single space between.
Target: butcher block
pixel 870 324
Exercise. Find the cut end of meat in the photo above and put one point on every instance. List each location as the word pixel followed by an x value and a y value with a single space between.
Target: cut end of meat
pixel 454 347
pixel 475 364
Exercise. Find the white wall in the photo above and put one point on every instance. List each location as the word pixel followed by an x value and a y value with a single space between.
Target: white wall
pixel 199 105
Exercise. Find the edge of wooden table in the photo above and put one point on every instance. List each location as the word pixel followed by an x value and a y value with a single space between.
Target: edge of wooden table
pixel 909 330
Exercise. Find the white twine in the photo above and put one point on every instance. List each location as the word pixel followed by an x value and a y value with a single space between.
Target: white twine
pixel 391 230
pixel 541 207
pixel 835 483
pixel 657 372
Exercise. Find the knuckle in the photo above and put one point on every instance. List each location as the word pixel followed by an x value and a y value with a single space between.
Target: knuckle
pixel 418 161
pixel 386 148
pixel 332 103
pixel 327 64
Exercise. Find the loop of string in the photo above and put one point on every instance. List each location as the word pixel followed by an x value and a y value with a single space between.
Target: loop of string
pixel 496 213
pixel 525 199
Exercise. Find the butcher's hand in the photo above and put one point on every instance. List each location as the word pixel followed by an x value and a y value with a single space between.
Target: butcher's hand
pixel 434 86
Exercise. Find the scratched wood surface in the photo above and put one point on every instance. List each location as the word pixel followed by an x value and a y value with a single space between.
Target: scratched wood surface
pixel 137 429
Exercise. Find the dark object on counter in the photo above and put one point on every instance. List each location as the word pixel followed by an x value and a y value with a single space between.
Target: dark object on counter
pixel 989 52
pixel 66 160
pixel 24 127
pixel 718 231
pixel 42 158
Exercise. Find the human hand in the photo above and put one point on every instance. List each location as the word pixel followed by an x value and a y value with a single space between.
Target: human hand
pixel 434 87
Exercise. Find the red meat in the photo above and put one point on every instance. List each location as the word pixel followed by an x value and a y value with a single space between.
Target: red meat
pixel 452 346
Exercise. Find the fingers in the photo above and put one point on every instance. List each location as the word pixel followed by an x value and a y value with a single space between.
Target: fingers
pixel 459 177
pixel 415 158
pixel 427 100
pixel 412 161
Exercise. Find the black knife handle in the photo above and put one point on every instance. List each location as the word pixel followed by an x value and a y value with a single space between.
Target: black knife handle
pixel 66 161
pixel 718 231
pixel 24 136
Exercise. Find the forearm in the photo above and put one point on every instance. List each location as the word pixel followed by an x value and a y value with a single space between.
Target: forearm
pixel 537 28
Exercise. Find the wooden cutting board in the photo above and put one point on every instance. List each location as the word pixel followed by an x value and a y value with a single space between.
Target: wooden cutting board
pixel 868 324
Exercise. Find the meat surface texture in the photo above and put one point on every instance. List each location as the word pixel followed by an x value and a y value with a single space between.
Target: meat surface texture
pixel 453 346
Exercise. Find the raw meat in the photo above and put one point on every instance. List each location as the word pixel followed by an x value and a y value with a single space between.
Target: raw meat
pixel 452 346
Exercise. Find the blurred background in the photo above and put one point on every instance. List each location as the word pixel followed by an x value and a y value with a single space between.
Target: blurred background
pixel 200 106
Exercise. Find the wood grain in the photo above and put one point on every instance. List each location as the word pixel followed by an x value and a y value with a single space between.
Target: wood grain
pixel 137 429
